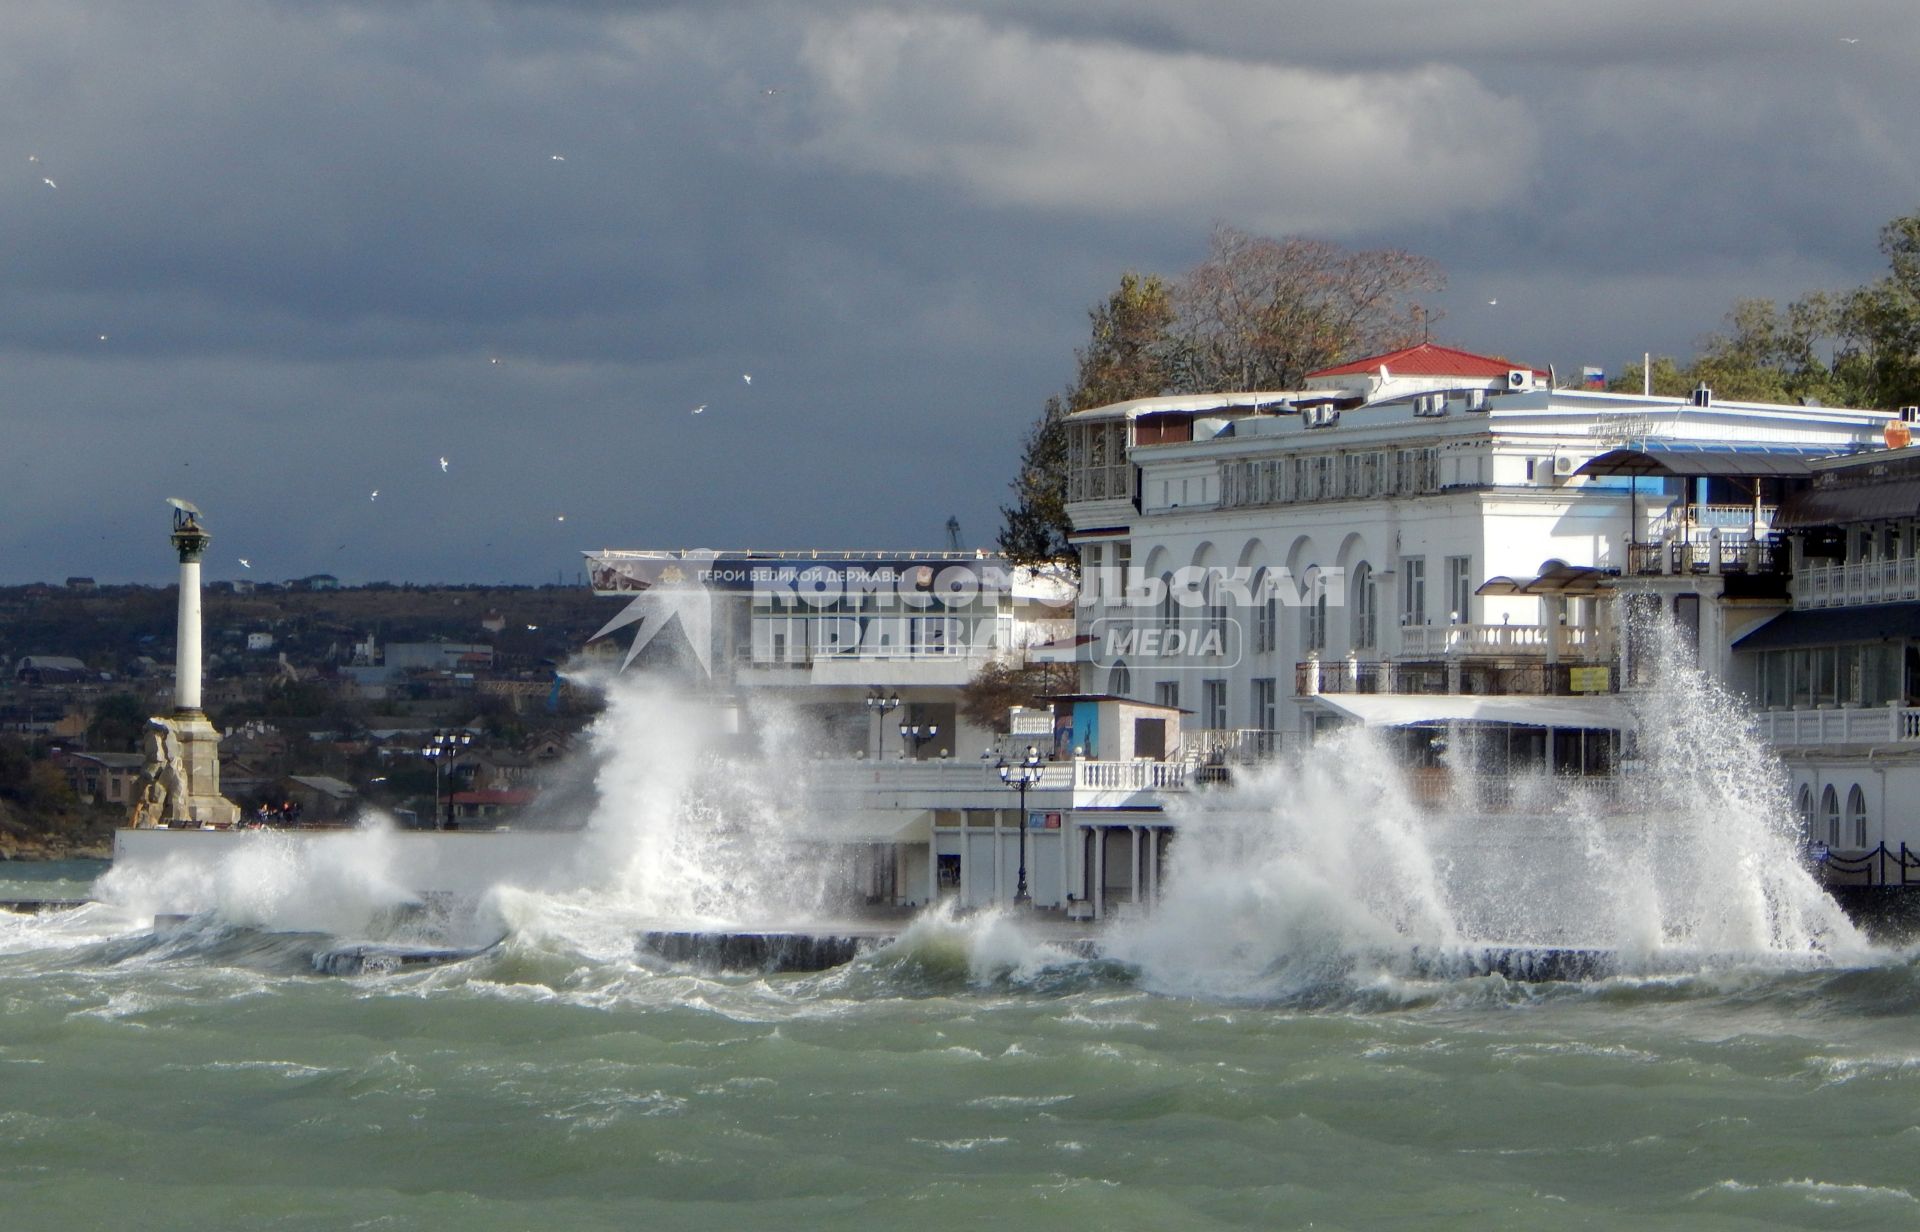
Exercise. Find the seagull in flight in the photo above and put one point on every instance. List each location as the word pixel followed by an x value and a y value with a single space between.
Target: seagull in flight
pixel 698 409
pixel 1493 303
pixel 443 464
pixel 1845 39
pixel 246 562
pixel 49 183
pixel 376 494
pixel 747 377
pixel 558 158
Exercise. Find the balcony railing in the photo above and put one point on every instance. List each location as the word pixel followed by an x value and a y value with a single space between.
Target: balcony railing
pixel 1840 725
pixel 1699 519
pixel 1231 746
pixel 1131 775
pixel 1710 551
pixel 1818 584
pixel 1439 641
pixel 1479 678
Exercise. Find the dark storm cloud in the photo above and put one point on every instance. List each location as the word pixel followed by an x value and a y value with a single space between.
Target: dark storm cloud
pixel 330 243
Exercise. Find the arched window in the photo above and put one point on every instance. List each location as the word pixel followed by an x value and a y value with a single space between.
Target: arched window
pixel 1217 608
pixel 1830 809
pixel 1313 626
pixel 1265 613
pixel 1806 811
pixel 1366 622
pixel 1119 679
pixel 1169 607
pixel 1857 816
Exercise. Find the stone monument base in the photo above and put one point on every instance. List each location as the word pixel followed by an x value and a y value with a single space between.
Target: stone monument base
pixel 180 782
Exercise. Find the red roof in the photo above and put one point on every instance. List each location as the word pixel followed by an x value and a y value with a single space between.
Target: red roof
pixel 1428 359
pixel 492 797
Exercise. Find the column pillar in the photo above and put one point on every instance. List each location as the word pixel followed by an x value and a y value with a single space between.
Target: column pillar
pixel 1153 864
pixel 1099 872
pixel 191 541
pixel 1133 865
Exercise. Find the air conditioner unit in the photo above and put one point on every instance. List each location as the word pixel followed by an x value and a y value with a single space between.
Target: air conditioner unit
pixel 1910 414
pixel 1430 406
pixel 1519 379
pixel 1320 417
pixel 1702 396
pixel 1563 465
pixel 1476 399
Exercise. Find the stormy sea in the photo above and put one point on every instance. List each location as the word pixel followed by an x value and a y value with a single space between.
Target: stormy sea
pixel 1286 1042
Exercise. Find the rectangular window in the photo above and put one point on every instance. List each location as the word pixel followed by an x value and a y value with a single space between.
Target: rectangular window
pixel 1167 693
pixel 1413 590
pixel 1460 590
pixel 1213 703
pixel 1264 692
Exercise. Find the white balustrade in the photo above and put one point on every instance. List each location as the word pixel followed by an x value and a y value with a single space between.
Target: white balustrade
pixel 1859 582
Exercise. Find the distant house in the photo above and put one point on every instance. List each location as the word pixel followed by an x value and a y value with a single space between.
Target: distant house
pixel 81 583
pixel 474 808
pixel 101 778
pixel 50 669
pixel 317 581
pixel 493 622
pixel 320 798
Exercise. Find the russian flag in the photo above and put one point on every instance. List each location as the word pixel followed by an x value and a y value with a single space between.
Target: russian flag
pixel 1593 378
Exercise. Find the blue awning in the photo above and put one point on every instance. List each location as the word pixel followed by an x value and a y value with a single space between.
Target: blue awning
pixel 1708 460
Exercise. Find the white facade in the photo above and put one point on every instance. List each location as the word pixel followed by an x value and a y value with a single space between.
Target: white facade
pixel 1418 502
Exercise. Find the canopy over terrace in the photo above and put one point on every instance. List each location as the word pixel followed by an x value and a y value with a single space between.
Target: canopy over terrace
pixel 1408 710
pixel 1716 460
pixel 1557 579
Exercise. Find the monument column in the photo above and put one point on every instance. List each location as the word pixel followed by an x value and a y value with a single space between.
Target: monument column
pixel 190 540
pixel 180 782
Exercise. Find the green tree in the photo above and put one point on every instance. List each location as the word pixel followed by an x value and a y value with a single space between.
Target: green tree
pixel 1128 355
pixel 1130 351
pixel 116 725
pixel 1034 527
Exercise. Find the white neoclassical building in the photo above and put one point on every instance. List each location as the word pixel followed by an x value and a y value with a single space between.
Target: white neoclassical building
pixel 1412 530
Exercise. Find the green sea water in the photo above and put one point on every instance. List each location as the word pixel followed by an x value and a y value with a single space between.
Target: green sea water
pixel 971 1075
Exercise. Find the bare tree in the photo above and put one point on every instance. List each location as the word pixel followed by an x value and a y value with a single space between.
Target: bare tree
pixel 1262 313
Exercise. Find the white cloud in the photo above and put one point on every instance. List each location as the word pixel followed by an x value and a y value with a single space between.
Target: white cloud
pixel 1015 119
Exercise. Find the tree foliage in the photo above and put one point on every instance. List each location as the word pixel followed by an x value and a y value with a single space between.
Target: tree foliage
pixel 998 687
pixel 1257 313
pixel 1853 348
pixel 1262 313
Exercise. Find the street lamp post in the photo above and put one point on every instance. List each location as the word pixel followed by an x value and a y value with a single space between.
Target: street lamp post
pixel 441 746
pixel 882 705
pixel 919 733
pixel 1022 776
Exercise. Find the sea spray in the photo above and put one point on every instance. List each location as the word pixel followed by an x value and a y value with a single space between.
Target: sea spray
pixel 1322 867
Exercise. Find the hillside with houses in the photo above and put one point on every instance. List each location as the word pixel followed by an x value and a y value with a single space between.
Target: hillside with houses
pixel 440 705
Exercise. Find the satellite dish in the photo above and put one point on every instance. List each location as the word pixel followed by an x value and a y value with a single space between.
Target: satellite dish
pixel 183 506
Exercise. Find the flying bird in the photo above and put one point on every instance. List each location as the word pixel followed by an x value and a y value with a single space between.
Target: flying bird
pixel 531 628
pixel 698 409
pixel 770 91
pixel 246 562
pixel 33 158
pixel 747 377
pixel 560 518
pixel 1493 303
pixel 1844 39
pixel 376 494
pixel 103 337
pixel 49 183
pixel 443 465
pixel 558 158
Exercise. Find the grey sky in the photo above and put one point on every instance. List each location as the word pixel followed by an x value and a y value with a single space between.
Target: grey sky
pixel 309 230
